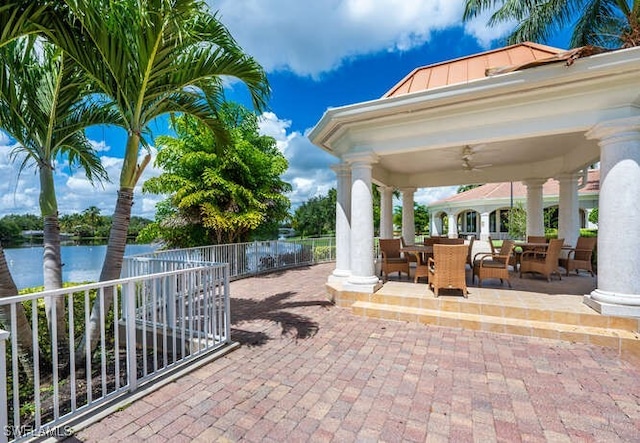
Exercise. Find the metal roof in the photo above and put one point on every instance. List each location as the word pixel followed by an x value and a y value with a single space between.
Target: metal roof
pixel 473 67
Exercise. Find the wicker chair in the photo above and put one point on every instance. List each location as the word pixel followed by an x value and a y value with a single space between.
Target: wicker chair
pixel 536 239
pixel 447 268
pixel 545 263
pixel 451 241
pixel 470 252
pixel 494 265
pixel 392 260
pixel 430 241
pixel 580 256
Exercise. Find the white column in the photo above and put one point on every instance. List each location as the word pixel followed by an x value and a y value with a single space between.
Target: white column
pixel 386 211
pixel 484 226
pixel 362 278
pixel 568 211
pixel 435 224
pixel 453 226
pixel 535 215
pixel 618 291
pixel 408 217
pixel 343 223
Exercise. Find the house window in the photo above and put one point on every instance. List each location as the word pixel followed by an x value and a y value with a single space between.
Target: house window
pixel 471 221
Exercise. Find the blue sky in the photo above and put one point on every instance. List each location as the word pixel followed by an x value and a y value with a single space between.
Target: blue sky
pixel 317 55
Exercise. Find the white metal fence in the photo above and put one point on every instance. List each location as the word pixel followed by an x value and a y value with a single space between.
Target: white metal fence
pixel 170 308
pixel 148 324
pixel 244 259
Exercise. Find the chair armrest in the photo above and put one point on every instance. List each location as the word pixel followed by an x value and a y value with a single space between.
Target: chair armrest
pixel 493 257
pixel 534 253
pixel 481 255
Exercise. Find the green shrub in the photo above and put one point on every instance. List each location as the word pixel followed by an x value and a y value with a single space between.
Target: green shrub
pixel 323 253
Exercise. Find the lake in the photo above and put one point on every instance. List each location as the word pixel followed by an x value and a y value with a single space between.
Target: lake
pixel 81 263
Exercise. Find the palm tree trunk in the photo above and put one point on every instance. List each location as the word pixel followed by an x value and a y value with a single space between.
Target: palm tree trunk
pixel 22 328
pixel 52 265
pixel 52 270
pixel 112 266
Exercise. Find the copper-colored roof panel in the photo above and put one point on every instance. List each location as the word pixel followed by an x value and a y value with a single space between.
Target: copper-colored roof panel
pixel 472 67
pixel 458 72
pixel 420 80
pixel 404 87
pixel 524 54
pixel 498 59
pixel 439 76
pixel 477 67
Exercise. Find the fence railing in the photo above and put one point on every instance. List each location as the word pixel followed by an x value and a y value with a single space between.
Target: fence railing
pixel 244 259
pixel 170 308
pixel 147 325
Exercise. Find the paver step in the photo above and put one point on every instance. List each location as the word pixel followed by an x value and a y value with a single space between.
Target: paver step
pixel 502 308
pixel 619 339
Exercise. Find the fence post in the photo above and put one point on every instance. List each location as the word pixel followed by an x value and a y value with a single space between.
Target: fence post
pixel 4 419
pixel 255 257
pixel 129 300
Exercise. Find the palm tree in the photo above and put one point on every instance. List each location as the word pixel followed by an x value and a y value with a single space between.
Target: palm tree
pixel 16 19
pixel 91 216
pixel 152 58
pixel 44 107
pixel 606 23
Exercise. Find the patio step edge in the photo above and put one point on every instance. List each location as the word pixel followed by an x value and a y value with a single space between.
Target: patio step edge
pixel 593 319
pixel 619 339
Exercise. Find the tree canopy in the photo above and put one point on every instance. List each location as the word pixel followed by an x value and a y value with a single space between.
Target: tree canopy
pixel 606 23
pixel 218 193
pixel 316 216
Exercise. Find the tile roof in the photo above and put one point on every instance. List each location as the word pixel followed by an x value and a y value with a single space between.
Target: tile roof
pixel 503 190
pixel 473 67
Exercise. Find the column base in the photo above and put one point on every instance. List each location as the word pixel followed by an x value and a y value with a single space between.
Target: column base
pixel 339 276
pixel 601 301
pixel 362 284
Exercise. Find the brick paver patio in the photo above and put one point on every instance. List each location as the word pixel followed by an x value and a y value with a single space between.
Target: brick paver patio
pixel 309 371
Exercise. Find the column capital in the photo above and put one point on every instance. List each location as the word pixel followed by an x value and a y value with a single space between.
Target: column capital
pixel 341 169
pixel 533 182
pixel 407 190
pixel 568 177
pixel 361 158
pixel 621 129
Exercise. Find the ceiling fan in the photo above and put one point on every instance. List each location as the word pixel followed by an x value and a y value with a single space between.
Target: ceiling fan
pixel 467 159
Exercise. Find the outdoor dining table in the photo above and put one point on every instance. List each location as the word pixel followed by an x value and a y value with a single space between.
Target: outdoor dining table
pixel 417 249
pixel 422 254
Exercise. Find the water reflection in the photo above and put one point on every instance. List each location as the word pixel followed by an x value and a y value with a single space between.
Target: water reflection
pixel 81 263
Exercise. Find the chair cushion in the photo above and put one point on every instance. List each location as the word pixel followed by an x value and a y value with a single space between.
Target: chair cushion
pixel 492 264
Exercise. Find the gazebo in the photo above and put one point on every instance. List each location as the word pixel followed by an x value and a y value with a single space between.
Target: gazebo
pixel 526 113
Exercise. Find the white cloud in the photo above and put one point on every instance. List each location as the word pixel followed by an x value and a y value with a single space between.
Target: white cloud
pixel 309 167
pixel 484 34
pixel 309 38
pixel 427 196
pixel 99 146
pixel 19 194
